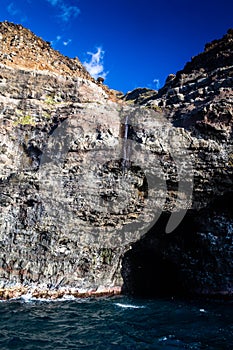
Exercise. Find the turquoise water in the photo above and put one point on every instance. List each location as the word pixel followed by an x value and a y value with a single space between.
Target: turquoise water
pixel 116 323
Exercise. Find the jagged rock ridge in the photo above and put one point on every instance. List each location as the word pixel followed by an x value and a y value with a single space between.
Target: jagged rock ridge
pixel 20 48
pixel 200 95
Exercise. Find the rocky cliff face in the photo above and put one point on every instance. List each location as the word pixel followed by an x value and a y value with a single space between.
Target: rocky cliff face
pixel 20 48
pixel 199 96
pixel 85 177
pixel 197 257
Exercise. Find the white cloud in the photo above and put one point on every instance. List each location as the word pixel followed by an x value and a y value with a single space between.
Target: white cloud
pixel 56 40
pixel 66 11
pixel 157 83
pixel 96 65
pixel 67 42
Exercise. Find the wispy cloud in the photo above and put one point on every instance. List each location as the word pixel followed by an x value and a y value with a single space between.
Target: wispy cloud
pixel 58 39
pixel 15 12
pixel 55 41
pixel 11 8
pixel 96 64
pixel 66 11
pixel 53 2
pixel 67 42
pixel 157 83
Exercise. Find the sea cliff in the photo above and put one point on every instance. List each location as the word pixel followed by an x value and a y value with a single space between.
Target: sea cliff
pixel 101 194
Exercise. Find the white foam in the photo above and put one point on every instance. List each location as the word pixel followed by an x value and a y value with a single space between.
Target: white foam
pixel 129 306
pixel 163 338
pixel 68 297
pixel 27 298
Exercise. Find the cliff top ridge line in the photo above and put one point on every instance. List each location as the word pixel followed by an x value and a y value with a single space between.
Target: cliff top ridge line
pixel 21 48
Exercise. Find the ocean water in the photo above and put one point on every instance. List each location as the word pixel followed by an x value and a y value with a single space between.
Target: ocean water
pixel 116 323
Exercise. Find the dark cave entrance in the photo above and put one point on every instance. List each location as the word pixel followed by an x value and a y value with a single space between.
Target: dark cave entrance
pixel 195 259
pixel 147 275
pixel 151 268
pixel 165 265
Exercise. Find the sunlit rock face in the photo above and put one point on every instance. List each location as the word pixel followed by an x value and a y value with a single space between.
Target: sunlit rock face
pixel 85 178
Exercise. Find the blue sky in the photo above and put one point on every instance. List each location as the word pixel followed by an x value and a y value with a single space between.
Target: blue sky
pixel 133 43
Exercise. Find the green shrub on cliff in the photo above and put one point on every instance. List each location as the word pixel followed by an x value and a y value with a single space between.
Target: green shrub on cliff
pixel 25 120
pixel 49 100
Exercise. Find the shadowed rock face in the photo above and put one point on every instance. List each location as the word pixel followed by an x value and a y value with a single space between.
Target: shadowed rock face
pixel 140 96
pixel 197 257
pixel 83 180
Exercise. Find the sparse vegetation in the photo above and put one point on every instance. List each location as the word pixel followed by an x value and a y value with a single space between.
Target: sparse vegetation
pixel 156 108
pixel 230 160
pixel 46 115
pixel 106 255
pixel 25 120
pixel 50 100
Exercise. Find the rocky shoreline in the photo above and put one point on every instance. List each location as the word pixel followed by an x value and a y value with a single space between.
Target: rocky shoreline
pixel 30 293
pixel 37 293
